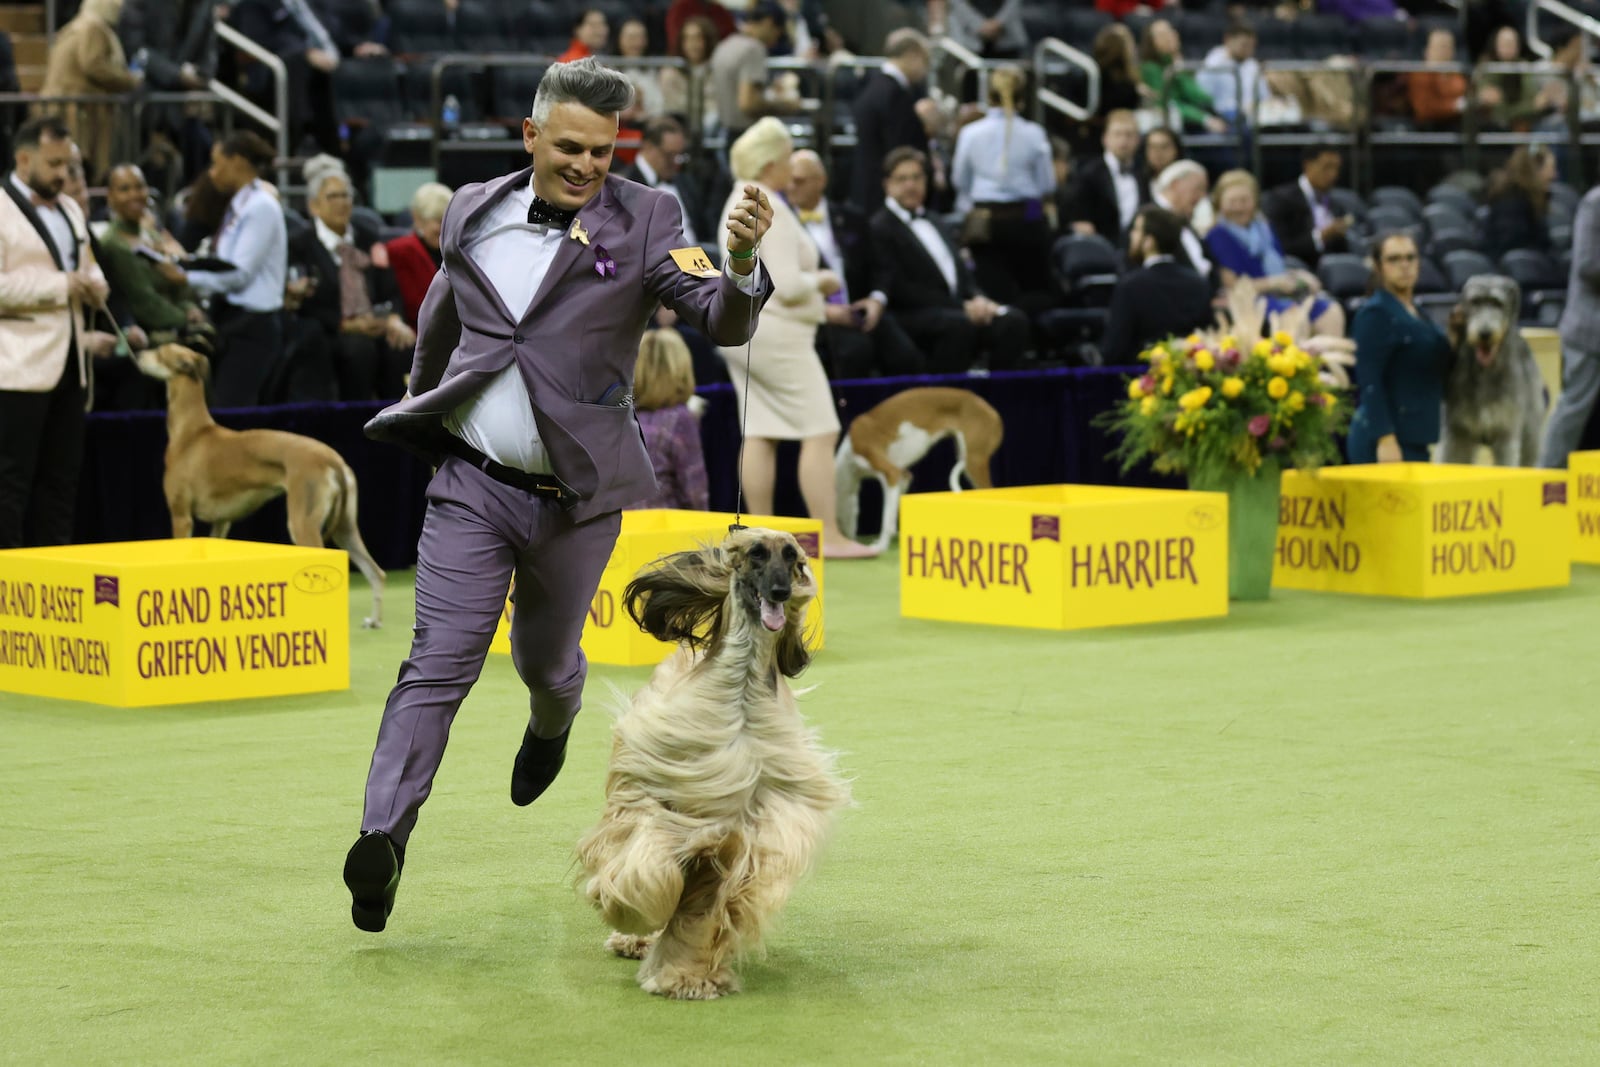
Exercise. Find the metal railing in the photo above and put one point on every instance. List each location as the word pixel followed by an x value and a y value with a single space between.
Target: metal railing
pixel 1043 97
pixel 1561 11
pixel 277 123
pixel 1263 137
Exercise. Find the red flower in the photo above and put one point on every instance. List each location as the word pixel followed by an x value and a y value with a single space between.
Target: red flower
pixel 1260 425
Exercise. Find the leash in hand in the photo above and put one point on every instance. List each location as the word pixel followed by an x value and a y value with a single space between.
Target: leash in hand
pixel 744 416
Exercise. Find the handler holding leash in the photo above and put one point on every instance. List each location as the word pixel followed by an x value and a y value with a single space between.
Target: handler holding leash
pixel 523 396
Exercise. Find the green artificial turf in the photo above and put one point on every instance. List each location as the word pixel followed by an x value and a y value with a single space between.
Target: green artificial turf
pixel 1325 830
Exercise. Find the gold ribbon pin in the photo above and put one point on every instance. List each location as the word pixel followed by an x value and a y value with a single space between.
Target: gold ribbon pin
pixel 578 233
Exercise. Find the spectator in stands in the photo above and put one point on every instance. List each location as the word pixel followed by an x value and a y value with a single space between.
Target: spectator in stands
pixel 1302 214
pixel 931 292
pixel 1570 52
pixel 1231 74
pixel 1246 251
pixel 1162 298
pixel 249 298
pixel 663 385
pixel 48 281
pixel 991 28
pixel 290 30
pixel 359 27
pixel 137 257
pixel 415 258
pixel 802 29
pixel 1580 339
pixel 1507 97
pixel 1437 99
pixel 1162 148
pixel 1519 202
pixel 633 42
pixel 739 70
pixel 1121 87
pixel 659 164
pixel 679 90
pixel 590 34
pixel 1401 361
pixel 1121 9
pixel 1181 189
pixel 886 114
pixel 351 298
pixel 87 60
pixel 1161 67
pixel 786 397
pixel 111 334
pixel 858 338
pixel 1108 189
pixel 178 39
pixel 1003 178
pixel 683 12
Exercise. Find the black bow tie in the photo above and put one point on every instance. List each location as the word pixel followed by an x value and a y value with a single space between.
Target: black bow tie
pixel 543 213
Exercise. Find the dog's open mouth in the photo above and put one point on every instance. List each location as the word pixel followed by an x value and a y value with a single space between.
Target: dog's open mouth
pixel 1485 353
pixel 772 616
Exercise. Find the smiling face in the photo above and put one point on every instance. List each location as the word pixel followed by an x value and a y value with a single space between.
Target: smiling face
pixel 127 195
pixel 1238 204
pixel 571 153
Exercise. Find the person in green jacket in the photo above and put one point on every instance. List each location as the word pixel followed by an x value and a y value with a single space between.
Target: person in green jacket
pixel 1161 53
pixel 154 290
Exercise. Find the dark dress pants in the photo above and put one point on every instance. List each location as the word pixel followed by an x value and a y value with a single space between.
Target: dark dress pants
pixel 41 451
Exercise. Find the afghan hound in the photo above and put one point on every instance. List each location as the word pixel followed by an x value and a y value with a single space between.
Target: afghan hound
pixel 718 797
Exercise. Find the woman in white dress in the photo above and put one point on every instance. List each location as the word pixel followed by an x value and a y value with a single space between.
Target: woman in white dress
pixel 787 396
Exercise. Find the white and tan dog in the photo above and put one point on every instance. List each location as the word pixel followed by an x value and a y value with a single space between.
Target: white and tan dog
pixel 220 475
pixel 885 442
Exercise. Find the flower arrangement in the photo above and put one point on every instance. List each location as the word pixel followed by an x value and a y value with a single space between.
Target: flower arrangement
pixel 1218 405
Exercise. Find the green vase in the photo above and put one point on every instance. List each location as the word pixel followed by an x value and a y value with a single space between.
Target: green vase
pixel 1252 526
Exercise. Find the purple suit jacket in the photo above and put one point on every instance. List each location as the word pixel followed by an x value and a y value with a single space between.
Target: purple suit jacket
pixel 578 339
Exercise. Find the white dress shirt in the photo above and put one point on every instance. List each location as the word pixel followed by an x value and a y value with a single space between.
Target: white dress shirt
pixel 55 224
pixel 651 178
pixel 515 257
pixel 821 231
pixel 1127 186
pixel 254 239
pixel 330 240
pixel 930 237
pixel 1321 214
pixel 1192 245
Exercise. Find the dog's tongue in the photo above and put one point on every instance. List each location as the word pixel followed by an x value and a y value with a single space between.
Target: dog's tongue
pixel 1485 355
pixel 771 615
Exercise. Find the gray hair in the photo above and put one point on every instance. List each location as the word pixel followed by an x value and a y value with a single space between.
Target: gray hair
pixel 585 81
pixel 430 200
pixel 904 41
pixel 321 169
pixel 1176 172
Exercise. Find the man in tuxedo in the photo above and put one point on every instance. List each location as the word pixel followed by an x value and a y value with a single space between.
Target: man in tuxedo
pixel 1164 297
pixel 859 339
pixel 931 291
pixel 1107 190
pixel 659 164
pixel 1302 214
pixel 886 115
pixel 1179 189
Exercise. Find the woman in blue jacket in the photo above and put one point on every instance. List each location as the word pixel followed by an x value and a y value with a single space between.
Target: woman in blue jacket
pixel 1401 360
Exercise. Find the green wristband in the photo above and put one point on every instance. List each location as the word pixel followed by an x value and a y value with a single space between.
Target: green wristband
pixel 747 255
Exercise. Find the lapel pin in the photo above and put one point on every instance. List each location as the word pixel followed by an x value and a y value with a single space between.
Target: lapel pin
pixel 578 233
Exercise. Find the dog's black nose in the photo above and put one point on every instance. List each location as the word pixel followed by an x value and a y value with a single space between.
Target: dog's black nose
pixel 779 593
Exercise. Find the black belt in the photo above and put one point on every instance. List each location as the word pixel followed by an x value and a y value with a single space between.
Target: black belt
pixel 538 484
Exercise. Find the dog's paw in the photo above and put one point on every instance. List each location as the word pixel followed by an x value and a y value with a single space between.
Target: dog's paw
pixel 691 987
pixel 371 624
pixel 629 946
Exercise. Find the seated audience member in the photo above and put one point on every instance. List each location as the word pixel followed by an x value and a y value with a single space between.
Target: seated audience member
pixel 1003 178
pixel 590 34
pixel 633 42
pixel 663 150
pixel 349 298
pixel 1301 214
pixel 683 12
pixel 1508 99
pixel 1231 74
pixel 1181 189
pixel 1161 149
pixel 137 256
pixel 1246 252
pixel 1160 299
pixel 1161 67
pixel 663 383
pixel 858 339
pixel 1107 190
pixel 1519 202
pixel 415 258
pixel 992 29
pixel 1437 98
pixel 1121 88
pixel 931 292
pixel 681 90
pixel 247 300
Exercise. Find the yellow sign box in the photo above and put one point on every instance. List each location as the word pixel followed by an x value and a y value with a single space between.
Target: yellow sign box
pixel 610 636
pixel 1583 500
pixel 1064 557
pixel 138 623
pixel 1423 530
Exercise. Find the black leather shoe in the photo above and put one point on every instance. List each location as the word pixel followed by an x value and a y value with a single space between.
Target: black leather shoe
pixel 372 871
pixel 538 762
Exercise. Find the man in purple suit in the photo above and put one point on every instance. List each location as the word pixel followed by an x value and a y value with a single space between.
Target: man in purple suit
pixel 522 393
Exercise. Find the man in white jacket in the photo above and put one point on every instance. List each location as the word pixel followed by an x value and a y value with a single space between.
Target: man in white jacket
pixel 48 281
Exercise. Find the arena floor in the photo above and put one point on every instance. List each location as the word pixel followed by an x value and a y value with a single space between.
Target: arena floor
pixel 1325 830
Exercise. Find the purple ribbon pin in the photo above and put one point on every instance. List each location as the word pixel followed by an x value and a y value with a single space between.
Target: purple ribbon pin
pixel 604 265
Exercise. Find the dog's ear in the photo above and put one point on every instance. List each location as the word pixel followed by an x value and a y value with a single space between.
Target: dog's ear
pixel 681 597
pixel 792 654
pixel 195 365
pixel 1514 293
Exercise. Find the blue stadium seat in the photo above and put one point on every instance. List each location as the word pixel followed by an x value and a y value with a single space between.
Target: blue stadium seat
pixel 1382 38
pixel 1399 196
pixel 1086 267
pixel 1430 279
pixel 1321 36
pixel 1463 264
pixel 511 90
pixel 1454 196
pixel 1385 217
pixel 1348 202
pixel 1444 241
pixel 418 26
pixel 367 91
pixel 1343 275
pixel 1446 217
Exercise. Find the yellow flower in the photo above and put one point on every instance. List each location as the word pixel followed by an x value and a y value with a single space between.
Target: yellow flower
pixel 1296 401
pixel 1228 342
pixel 1262 349
pixel 1278 388
pixel 1135 389
pixel 1193 339
pixel 1147 405
pixel 1282 364
pixel 1181 423
pixel 1232 387
pixel 1166 385
pixel 1282 339
pixel 1158 354
pixel 1204 360
pixel 1195 398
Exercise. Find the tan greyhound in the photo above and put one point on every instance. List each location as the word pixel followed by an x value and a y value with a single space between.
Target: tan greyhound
pixel 220 475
